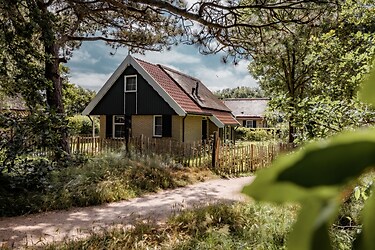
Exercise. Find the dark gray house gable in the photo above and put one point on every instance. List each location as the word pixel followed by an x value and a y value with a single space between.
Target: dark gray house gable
pixel 144 101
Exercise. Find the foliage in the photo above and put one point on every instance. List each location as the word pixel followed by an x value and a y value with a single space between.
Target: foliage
pixel 219 226
pixel 316 176
pixel 304 69
pixel 32 188
pixel 76 98
pixel 22 136
pixel 240 92
pixel 249 134
pixel 82 125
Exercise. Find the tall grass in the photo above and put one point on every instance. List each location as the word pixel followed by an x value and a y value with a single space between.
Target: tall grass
pixel 221 226
pixel 99 180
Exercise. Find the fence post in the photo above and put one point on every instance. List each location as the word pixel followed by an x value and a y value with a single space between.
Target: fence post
pixel 215 149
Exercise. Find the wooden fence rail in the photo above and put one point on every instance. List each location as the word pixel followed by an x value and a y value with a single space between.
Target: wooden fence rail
pixel 223 158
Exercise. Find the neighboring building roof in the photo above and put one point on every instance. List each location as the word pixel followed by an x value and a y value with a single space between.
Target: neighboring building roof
pixel 14 103
pixel 175 88
pixel 247 107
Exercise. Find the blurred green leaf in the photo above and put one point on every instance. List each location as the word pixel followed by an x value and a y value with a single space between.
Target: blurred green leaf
pixel 319 169
pixel 310 230
pixel 367 93
pixel 366 240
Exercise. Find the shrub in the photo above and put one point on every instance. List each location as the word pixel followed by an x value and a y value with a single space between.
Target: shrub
pixel 86 182
pixel 82 125
pixel 249 134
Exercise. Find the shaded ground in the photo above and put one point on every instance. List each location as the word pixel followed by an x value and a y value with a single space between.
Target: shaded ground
pixel 39 229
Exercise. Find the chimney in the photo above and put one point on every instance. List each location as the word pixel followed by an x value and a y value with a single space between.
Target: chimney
pixel 192 91
pixel 196 89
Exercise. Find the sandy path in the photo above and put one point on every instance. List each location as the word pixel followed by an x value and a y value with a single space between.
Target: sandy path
pixel 38 229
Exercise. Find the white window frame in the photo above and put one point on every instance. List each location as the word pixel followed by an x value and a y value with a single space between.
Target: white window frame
pixel 136 83
pixel 116 123
pixel 249 122
pixel 154 126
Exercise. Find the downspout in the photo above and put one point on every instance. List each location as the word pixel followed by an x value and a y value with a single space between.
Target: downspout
pixel 183 128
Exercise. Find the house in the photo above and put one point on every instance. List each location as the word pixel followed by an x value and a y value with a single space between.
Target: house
pixel 141 98
pixel 249 112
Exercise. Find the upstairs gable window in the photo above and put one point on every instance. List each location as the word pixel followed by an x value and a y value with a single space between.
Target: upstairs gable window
pixel 131 83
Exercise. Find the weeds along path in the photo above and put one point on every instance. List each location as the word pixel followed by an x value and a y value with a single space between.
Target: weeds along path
pixel 43 228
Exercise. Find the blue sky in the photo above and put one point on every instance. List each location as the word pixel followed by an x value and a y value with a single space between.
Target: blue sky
pixel 92 64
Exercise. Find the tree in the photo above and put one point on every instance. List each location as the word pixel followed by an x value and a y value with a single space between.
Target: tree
pixel 76 98
pixel 38 35
pixel 240 92
pixel 306 177
pixel 305 70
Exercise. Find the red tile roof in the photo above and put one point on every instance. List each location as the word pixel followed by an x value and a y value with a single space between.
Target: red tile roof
pixel 170 87
pixel 225 117
pixel 164 77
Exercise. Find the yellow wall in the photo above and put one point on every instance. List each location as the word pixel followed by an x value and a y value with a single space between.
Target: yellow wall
pixel 177 127
pixel 102 126
pixel 142 124
pixel 212 128
pixel 193 128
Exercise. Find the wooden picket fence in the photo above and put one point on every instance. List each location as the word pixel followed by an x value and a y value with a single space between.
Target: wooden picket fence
pixel 224 158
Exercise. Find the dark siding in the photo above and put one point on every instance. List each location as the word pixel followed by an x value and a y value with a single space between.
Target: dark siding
pixel 149 102
pixel 167 126
pixel 130 100
pixel 112 102
pixel 108 126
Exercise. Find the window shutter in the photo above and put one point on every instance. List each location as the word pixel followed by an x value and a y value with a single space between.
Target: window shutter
pixel 167 126
pixel 254 123
pixel 108 126
pixel 244 123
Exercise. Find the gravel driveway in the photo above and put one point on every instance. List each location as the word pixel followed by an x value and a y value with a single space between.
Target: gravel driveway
pixel 39 229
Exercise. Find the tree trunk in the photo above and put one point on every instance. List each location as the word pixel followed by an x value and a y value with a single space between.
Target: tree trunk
pixel 52 74
pixel 54 93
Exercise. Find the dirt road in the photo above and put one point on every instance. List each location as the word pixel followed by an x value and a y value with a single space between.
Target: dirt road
pixel 39 229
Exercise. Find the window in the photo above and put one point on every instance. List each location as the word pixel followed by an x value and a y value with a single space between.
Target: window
pixel 251 124
pixel 118 126
pixel 131 83
pixel 158 126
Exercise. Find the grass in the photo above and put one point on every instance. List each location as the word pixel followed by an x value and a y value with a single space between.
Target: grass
pixel 99 180
pixel 220 226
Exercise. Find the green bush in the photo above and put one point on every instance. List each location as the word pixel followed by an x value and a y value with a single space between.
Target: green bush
pixel 82 125
pixel 95 181
pixel 249 134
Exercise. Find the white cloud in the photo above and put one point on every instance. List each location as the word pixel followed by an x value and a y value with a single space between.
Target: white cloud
pixel 229 76
pixel 89 80
pixel 92 66
pixel 83 56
